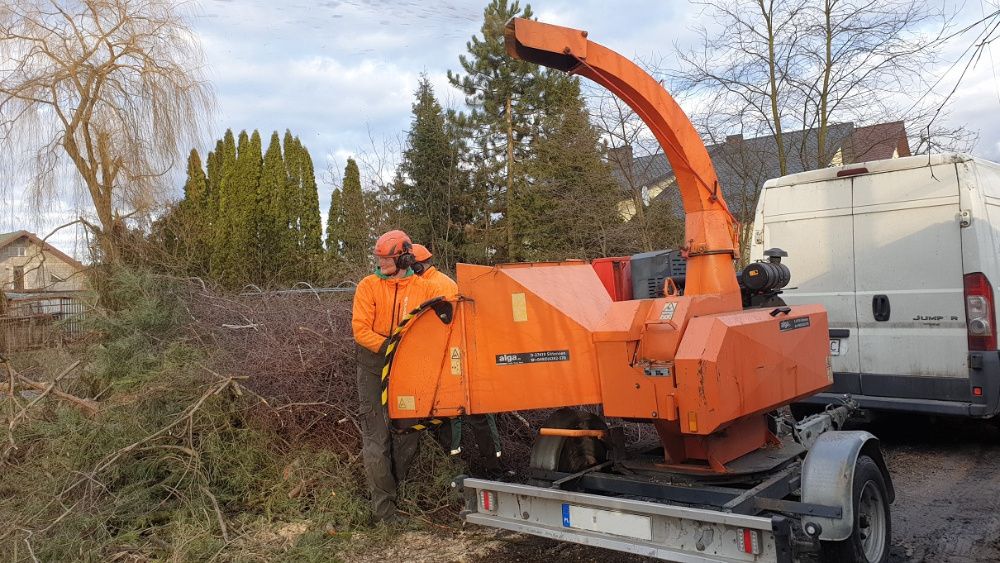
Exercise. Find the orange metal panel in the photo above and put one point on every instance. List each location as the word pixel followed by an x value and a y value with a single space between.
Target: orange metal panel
pixel 735 364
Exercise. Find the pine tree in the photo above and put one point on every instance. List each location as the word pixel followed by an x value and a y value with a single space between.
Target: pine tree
pixel 430 190
pixel 310 220
pixel 504 96
pixel 573 197
pixel 357 236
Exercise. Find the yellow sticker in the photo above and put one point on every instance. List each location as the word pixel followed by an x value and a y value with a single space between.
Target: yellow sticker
pixel 456 361
pixel 406 403
pixel 520 306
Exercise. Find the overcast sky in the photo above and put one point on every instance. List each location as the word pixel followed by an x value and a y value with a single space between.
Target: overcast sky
pixel 341 74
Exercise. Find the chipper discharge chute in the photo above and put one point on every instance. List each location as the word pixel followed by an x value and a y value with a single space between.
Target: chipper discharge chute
pixel 700 367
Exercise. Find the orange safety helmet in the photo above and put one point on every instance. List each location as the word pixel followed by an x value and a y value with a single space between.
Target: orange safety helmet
pixel 393 244
pixel 420 253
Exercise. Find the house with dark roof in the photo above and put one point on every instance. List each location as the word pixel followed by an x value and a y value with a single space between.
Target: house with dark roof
pixel 29 264
pixel 743 165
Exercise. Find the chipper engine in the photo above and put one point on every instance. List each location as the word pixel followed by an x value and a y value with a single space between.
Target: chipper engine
pixel 729 480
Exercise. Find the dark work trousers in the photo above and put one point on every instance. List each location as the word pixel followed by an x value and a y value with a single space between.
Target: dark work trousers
pixel 484 431
pixel 387 456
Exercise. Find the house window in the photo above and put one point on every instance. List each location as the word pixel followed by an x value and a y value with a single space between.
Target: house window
pixel 19 278
pixel 22 251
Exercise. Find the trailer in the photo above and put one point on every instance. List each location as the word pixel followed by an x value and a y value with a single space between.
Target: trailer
pixel 822 494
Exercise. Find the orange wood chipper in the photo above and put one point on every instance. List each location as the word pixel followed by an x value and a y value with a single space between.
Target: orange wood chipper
pixel 728 480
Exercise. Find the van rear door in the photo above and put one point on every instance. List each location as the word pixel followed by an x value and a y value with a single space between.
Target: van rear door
pixel 908 276
pixel 812 222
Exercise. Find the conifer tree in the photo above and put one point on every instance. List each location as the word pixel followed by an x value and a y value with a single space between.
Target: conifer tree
pixel 274 223
pixel 290 237
pixel 224 260
pixel 573 195
pixel 356 232
pixel 247 184
pixel 214 180
pixel 310 220
pixel 504 97
pixel 193 218
pixel 335 227
pixel 431 189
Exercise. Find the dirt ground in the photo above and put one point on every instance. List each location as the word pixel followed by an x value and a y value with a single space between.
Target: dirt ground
pixel 947 509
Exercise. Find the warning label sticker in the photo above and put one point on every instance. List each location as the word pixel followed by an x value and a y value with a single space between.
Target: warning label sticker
pixel 456 361
pixel 792 324
pixel 533 357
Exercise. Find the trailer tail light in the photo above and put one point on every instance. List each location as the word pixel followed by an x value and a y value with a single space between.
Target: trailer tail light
pixel 488 501
pixel 980 312
pixel 749 541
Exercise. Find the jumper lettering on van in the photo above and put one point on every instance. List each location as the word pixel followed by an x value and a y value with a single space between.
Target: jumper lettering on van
pixel 934 318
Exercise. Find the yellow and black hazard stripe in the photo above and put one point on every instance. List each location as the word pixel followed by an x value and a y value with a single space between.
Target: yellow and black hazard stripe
pixel 390 351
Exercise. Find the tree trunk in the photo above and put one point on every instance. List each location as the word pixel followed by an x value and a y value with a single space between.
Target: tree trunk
pixel 510 182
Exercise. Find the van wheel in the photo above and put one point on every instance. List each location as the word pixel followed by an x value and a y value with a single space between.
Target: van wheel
pixel 869 541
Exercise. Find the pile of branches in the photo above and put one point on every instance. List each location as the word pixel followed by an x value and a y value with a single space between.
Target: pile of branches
pixel 296 352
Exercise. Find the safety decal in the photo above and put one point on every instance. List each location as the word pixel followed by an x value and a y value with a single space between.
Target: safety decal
pixel 793 324
pixel 533 357
pixel 668 311
pixel 456 361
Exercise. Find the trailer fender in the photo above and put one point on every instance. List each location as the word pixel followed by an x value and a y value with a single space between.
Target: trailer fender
pixel 828 478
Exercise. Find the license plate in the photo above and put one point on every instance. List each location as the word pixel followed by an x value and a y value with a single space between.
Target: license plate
pixel 834 346
pixel 607 521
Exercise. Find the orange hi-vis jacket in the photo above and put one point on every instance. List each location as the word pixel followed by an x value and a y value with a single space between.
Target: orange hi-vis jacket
pixel 380 303
pixel 443 286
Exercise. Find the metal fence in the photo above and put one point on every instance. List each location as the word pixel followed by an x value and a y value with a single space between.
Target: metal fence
pixel 41 320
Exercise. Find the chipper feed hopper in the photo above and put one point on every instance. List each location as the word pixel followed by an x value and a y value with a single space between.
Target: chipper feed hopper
pixel 700 367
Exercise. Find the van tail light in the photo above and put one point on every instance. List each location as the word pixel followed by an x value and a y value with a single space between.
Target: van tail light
pixel 980 313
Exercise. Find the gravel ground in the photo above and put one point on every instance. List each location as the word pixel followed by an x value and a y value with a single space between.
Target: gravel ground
pixel 947 509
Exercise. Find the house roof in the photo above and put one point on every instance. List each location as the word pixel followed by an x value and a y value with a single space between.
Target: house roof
pixel 879 142
pixel 742 164
pixel 6 239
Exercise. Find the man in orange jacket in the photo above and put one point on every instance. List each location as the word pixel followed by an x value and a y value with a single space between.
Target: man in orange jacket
pixel 483 426
pixel 380 301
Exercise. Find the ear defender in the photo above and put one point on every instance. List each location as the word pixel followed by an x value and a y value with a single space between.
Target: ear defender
pixel 406 259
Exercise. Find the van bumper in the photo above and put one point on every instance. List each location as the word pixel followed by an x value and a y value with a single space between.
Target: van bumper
pixel 953 396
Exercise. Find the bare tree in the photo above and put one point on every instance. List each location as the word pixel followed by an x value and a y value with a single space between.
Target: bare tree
pixel 109 91
pixel 747 67
pixel 793 64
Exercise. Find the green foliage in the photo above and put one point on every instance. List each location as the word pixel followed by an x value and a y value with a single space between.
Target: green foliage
pixel 273 222
pixel 504 99
pixel 256 220
pixel 431 191
pixel 357 241
pixel 571 207
pixel 177 460
pixel 311 230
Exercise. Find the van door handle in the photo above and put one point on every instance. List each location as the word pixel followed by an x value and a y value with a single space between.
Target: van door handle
pixel 880 307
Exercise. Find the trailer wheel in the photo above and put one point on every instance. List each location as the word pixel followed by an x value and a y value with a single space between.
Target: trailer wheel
pixel 569 455
pixel 869 542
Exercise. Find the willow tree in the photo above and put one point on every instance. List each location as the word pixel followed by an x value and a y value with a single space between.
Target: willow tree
pixel 109 91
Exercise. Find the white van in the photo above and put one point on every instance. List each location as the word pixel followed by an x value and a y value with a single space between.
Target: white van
pixel 904 255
